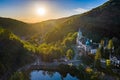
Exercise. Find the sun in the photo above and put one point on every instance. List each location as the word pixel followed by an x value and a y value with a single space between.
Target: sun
pixel 41 11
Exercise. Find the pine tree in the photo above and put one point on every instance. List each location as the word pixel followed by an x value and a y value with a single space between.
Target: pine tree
pixel 110 46
pixel 97 58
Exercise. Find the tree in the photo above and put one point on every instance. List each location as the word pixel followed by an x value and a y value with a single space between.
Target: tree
pixel 102 43
pixel 70 54
pixel 116 42
pixel 17 76
pixel 98 54
pixel 2 69
pixel 67 42
pixel 117 51
pixel 110 46
pixel 106 53
pixel 74 36
pixel 102 48
pixel 97 58
pixel 70 39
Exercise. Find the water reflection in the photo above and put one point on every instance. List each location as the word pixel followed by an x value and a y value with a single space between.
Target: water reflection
pixel 48 75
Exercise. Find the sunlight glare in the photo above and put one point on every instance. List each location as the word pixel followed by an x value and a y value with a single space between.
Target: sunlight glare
pixel 41 11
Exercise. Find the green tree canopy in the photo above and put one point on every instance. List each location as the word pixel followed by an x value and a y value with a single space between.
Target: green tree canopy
pixel 69 54
pixel 110 44
pixel 98 54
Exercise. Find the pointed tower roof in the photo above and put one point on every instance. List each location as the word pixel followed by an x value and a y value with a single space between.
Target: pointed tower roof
pixel 80 34
pixel 87 42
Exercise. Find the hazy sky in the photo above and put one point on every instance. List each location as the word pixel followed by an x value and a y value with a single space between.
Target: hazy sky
pixel 27 10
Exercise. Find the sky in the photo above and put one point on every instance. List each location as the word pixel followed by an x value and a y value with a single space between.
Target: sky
pixel 32 11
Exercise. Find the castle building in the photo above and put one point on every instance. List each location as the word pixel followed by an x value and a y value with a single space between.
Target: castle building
pixel 85 43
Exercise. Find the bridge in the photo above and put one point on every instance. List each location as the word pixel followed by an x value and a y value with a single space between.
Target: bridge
pixel 50 66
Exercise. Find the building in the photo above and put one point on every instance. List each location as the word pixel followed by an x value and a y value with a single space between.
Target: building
pixel 85 43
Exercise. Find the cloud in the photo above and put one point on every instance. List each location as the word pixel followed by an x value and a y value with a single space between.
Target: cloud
pixel 80 10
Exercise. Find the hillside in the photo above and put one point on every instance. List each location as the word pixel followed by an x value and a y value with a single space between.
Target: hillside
pixel 31 32
pixel 17 27
pixel 28 30
pixel 14 53
pixel 46 26
pixel 56 39
pixel 98 23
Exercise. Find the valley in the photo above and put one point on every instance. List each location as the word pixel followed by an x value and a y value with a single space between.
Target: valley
pixel 79 47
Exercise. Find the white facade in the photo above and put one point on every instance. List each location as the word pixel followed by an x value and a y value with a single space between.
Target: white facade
pixel 81 43
pixel 93 51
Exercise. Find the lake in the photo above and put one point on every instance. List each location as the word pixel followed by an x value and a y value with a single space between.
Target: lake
pixel 50 75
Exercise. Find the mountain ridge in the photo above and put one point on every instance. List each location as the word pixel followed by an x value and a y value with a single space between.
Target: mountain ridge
pixel 102 21
pixel 98 22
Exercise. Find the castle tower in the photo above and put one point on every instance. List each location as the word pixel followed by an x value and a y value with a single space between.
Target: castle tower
pixel 80 34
